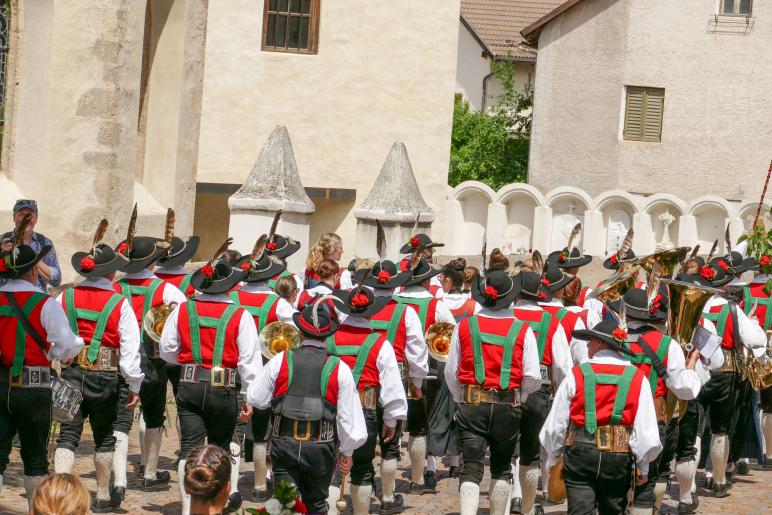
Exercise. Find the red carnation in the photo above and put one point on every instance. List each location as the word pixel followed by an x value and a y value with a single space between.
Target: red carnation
pixel 299 507
pixel 723 265
pixel 619 334
pixel 545 281
pixel 246 266
pixel 614 259
pixel 87 264
pixel 360 300
pixel 271 246
pixel 123 248
pixel 655 304
pixel 707 273
pixel 3 267
pixel 415 241
pixel 563 257
pixel 491 293
pixel 207 271
pixel 765 260
pixel 542 295
pixel 384 277
pixel 404 265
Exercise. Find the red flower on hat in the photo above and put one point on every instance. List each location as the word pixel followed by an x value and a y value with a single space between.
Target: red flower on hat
pixel 655 303
pixel 404 265
pixel 723 265
pixel 123 248
pixel 360 300
pixel 491 293
pixel 708 273
pixel 3 267
pixel 246 266
pixel 415 241
pixel 87 264
pixel 207 271
pixel 563 257
pixel 619 334
pixel 271 246
pixel 384 277
pixel 614 259
pixel 545 281
pixel 765 260
pixel 299 507
pixel 542 295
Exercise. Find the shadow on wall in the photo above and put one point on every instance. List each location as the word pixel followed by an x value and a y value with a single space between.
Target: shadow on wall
pixel 210 223
pixel 329 216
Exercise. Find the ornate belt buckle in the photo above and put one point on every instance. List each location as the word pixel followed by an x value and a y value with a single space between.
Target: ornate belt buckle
pixel 603 438
pixel 17 381
pixel 217 377
pixel 306 432
pixel 83 361
pixel 188 374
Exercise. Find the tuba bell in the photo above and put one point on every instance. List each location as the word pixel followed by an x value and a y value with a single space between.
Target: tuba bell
pixel 685 305
pixel 758 371
pixel 278 337
pixel 667 259
pixel 616 286
pixel 155 320
pixel 438 340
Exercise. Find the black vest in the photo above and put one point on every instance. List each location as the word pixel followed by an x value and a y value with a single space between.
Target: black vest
pixel 304 399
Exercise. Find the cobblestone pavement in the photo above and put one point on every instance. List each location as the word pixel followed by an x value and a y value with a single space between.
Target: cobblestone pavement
pixel 751 494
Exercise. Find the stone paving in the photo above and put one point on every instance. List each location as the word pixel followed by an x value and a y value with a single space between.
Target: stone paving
pixel 751 494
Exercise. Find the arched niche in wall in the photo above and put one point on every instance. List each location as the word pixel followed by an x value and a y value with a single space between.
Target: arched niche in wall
pixel 519 201
pixel 711 214
pixel 471 220
pixel 747 213
pixel 665 212
pixel 617 208
pixel 568 207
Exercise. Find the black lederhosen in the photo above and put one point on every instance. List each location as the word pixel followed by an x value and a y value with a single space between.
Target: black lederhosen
pixel 534 412
pixel 688 428
pixel 173 375
pixel 100 405
pixel 659 469
pixel 765 400
pixel 596 480
pixel 307 465
pixel 443 438
pixel 718 397
pixel 125 417
pixel 152 393
pixel 26 411
pixel 206 414
pixel 484 426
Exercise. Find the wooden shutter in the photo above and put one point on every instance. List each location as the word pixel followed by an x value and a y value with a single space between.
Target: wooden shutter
pixel 643 114
pixel 652 122
pixel 634 113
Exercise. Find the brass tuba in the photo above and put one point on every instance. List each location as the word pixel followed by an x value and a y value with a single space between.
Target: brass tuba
pixel 759 371
pixel 616 286
pixel 278 337
pixel 438 340
pixel 155 320
pixel 667 259
pixel 685 304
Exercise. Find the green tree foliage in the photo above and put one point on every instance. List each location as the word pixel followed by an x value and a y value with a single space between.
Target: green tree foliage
pixel 492 146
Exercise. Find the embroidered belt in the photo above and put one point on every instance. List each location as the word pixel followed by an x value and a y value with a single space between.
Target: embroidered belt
pixel 404 372
pixel 546 374
pixel 612 438
pixel 216 377
pixel 660 408
pixel 304 430
pixel 474 394
pixel 368 397
pixel 730 363
pixel 106 360
pixel 30 377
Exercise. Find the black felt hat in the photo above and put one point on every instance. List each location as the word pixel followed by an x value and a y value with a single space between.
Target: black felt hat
pixel 360 303
pixel 383 276
pixel 557 278
pixel 496 291
pixel 264 268
pixel 315 320
pixel 606 331
pixel 144 252
pixel 715 275
pixel 416 241
pixel 216 277
pixel 565 259
pixel 180 252
pixel 533 287
pixel 734 263
pixel 422 272
pixel 282 247
pixel 102 260
pixel 613 261
pixel 637 306
pixel 21 260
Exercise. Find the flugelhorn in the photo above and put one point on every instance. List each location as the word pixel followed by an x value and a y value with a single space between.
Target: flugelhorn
pixel 667 259
pixel 278 337
pixel 686 302
pixel 616 286
pixel 155 320
pixel 438 340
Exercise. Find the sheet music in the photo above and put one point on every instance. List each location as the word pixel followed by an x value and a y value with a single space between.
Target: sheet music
pixel 705 341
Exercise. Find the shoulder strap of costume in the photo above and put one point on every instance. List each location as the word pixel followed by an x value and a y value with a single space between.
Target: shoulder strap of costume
pixel 329 367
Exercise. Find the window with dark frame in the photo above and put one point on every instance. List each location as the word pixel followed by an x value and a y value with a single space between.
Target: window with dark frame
pixel 291 26
pixel 736 7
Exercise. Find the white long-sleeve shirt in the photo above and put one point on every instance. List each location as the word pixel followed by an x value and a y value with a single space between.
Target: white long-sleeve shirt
pixel 644 439
pixel 752 336
pixel 284 309
pixel 392 396
pixel 595 310
pixel 561 354
pixel 441 311
pixel 63 343
pixel 128 333
pixel 531 374
pixel 416 351
pixel 456 300
pixel 352 430
pixel 250 361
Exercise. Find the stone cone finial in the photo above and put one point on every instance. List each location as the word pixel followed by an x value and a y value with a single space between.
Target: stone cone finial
pixel 274 181
pixel 395 195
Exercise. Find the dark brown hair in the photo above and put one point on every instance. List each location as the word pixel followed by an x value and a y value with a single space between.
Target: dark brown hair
pixel 207 472
pixel 498 260
pixel 231 256
pixel 470 274
pixel 286 287
pixel 327 269
pixel 455 271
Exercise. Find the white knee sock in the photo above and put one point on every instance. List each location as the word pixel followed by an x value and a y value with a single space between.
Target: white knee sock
pixel 142 442
pixel 659 492
pixel 103 464
pixel 63 460
pixel 1 484
pixel 235 464
pixel 545 477
pixel 181 479
pixel 360 498
pixel 516 491
pixel 30 483
pixel 152 450
pixel 259 458
pixel 454 460
pixel 685 472
pixel 179 430
pixel 698 446
pixel 431 463
pixel 469 496
pixel 333 494
pixel 417 451
pixel 766 425
pixel 499 494
pixel 529 479
pixel 120 457
pixel 719 452
pixel 388 476
pixel 638 510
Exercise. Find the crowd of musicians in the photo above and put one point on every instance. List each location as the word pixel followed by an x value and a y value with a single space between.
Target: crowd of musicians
pixel 593 392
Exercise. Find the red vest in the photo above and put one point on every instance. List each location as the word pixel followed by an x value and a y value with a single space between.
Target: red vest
pixel 727 337
pixel 282 382
pixel 138 301
pixel 400 337
pixel 605 394
pixel 569 319
pixel 492 354
pixel 534 315
pixel 433 289
pixel 176 281
pixel 464 311
pixel 95 299
pixel 33 355
pixel 351 336
pixel 654 339
pixel 230 355
pixel 755 292
pixel 256 300
pixel 431 312
pixel 583 296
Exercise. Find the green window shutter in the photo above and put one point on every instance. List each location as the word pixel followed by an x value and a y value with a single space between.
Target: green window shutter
pixel 654 108
pixel 644 108
pixel 634 113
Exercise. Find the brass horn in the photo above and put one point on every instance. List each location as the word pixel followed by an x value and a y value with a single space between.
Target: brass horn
pixel 667 259
pixel 438 340
pixel 155 320
pixel 616 286
pixel 685 304
pixel 278 337
pixel 758 371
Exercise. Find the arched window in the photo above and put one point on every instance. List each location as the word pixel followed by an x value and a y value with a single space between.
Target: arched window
pixel 5 36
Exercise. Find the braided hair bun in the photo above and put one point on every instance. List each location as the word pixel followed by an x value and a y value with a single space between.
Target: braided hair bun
pixel 207 472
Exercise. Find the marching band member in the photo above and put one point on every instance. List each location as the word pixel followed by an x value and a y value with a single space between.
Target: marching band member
pixel 33 331
pixel 572 318
pixel 314 399
pixel 171 265
pixel 329 246
pixel 571 259
pixel 492 367
pixel 326 278
pixel 423 240
pixel 215 342
pixel 379 383
pixel 603 422
pixel 106 322
pixel 282 247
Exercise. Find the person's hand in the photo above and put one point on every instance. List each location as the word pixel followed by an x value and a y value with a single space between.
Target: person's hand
pixel 692 358
pixel 133 400
pixel 388 433
pixel 417 393
pixel 6 245
pixel 640 479
pixel 344 464
pixel 245 412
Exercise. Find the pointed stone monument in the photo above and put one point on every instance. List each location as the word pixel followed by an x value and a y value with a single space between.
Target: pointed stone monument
pixel 396 201
pixel 274 183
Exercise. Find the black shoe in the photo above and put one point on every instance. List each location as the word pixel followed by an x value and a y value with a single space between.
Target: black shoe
pixel 538 510
pixel 731 470
pixel 120 491
pixel 417 489
pixel 455 471
pixel 721 490
pixel 430 478
pixel 691 507
pixel 393 507
pixel 709 483
pixel 141 472
pixel 234 502
pixel 742 468
pixel 261 495
pixel 159 483
pixel 516 506
pixel 106 505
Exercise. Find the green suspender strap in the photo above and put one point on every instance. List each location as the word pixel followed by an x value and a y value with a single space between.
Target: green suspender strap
pixel 148 292
pixel 100 317
pixel 762 301
pixel 720 319
pixel 21 335
pixel 360 351
pixel 185 283
pixel 661 352
pixel 508 342
pixel 329 366
pixel 272 282
pixel 541 328
pixel 421 302
pixel 561 314
pixel 591 379
pixel 261 312
pixel 220 324
pixel 392 325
